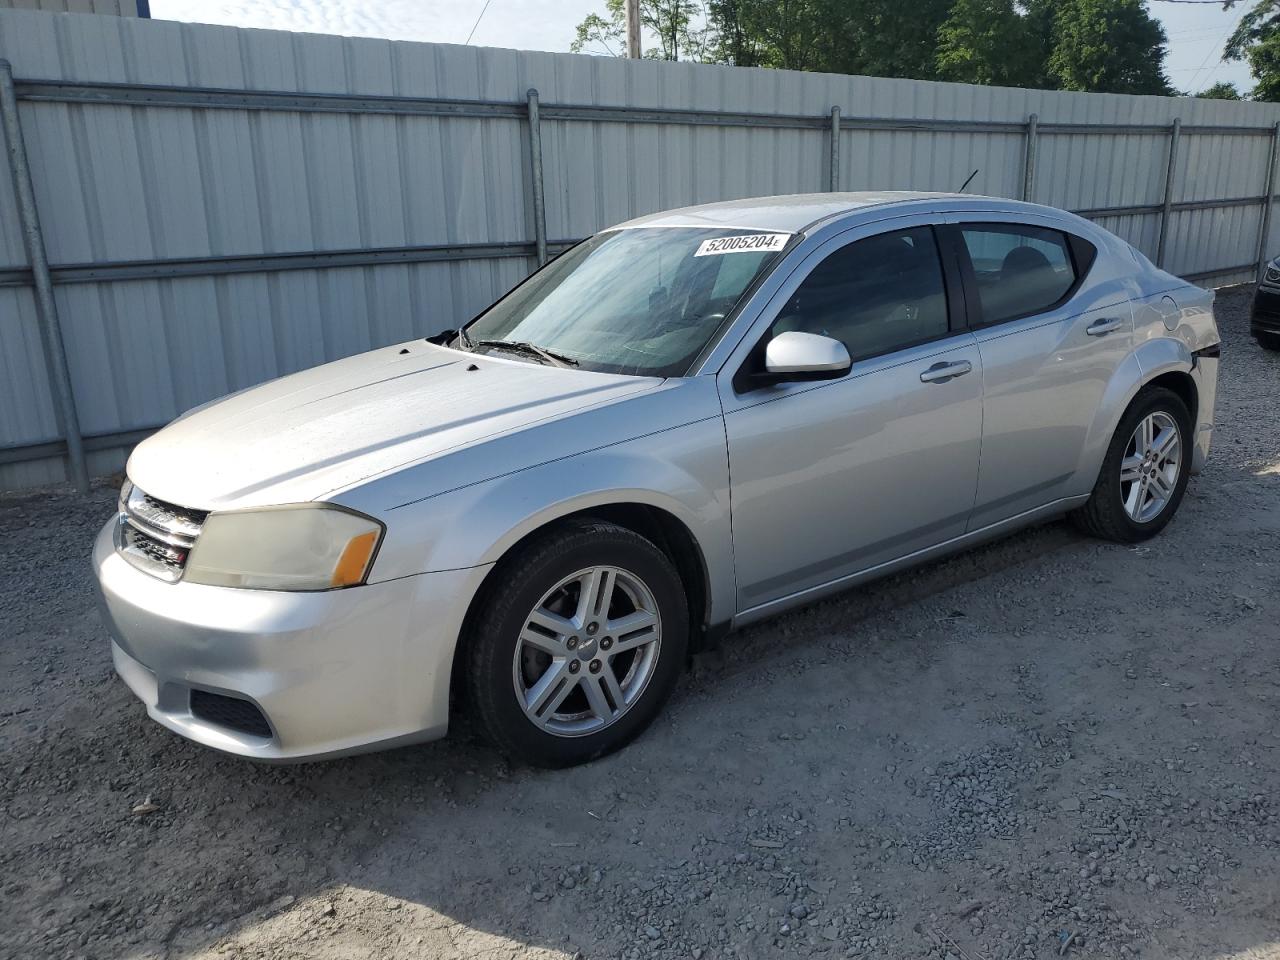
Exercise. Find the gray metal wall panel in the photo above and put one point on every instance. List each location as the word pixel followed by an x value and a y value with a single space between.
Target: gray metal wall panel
pixel 1087 171
pixel 118 182
pixel 141 352
pixel 1140 229
pixel 1216 166
pixel 893 160
pixel 12 251
pixel 32 474
pixel 1207 239
pixel 26 405
pixel 115 8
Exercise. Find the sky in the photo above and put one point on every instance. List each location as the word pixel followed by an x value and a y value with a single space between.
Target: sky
pixel 1196 31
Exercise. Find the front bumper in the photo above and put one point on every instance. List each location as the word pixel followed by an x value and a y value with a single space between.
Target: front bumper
pixel 333 673
pixel 1264 314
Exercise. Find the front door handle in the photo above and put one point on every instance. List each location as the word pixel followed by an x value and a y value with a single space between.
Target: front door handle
pixel 1100 328
pixel 942 372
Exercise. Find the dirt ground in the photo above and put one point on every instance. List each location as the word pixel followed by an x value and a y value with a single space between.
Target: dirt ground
pixel 1047 747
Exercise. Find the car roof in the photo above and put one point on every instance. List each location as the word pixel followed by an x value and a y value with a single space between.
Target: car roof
pixel 794 212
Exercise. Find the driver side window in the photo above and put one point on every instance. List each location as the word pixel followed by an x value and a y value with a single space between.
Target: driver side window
pixel 875 295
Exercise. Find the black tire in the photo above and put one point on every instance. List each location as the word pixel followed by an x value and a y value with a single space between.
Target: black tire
pixel 1103 515
pixel 1268 341
pixel 517 586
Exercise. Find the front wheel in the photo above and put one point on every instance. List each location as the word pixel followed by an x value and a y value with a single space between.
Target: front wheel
pixel 577 644
pixel 1145 472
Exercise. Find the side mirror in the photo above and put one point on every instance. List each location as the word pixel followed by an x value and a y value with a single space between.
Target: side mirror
pixel 793 355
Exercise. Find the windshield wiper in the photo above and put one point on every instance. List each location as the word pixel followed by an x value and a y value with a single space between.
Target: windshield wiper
pixel 529 350
pixel 466 338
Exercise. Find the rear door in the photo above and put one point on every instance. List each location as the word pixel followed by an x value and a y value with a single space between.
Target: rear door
pixel 832 478
pixel 1051 337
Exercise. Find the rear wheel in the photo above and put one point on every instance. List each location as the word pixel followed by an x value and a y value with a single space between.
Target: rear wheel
pixel 1268 341
pixel 1145 472
pixel 577 645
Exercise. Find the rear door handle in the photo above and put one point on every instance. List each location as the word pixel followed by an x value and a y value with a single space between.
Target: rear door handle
pixel 1100 328
pixel 942 372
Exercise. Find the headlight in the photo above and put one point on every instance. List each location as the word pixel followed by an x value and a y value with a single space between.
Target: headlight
pixel 305 547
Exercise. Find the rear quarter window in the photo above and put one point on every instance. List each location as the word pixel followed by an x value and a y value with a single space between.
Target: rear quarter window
pixel 1021 270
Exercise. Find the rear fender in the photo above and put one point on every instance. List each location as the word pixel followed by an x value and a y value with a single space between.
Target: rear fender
pixel 1150 359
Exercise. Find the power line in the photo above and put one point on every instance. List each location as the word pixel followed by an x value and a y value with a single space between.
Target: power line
pixel 477 23
pixel 1212 50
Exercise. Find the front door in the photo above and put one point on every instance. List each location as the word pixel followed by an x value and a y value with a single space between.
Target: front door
pixel 832 478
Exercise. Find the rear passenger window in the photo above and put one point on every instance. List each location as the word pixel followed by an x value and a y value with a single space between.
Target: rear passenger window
pixel 874 295
pixel 1021 270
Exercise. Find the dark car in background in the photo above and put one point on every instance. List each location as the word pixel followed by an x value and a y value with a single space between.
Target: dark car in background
pixel 1264 315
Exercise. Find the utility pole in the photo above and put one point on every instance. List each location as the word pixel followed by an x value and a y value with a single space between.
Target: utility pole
pixel 633 29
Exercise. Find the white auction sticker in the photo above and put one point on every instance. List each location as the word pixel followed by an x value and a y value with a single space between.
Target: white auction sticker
pixel 743 243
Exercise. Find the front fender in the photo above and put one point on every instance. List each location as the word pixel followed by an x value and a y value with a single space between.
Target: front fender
pixel 683 471
pixel 1148 360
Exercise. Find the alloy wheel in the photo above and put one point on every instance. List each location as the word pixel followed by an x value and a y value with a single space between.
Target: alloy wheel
pixel 1151 466
pixel 587 651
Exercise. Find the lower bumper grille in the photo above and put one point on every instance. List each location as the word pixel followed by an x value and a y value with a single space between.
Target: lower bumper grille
pixel 1265 322
pixel 1265 310
pixel 230 712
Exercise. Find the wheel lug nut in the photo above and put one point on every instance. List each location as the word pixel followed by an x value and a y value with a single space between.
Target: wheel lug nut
pixel 573 643
pixel 592 628
pixel 575 666
pixel 595 666
pixel 606 643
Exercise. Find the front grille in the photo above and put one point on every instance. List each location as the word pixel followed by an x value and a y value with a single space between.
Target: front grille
pixel 156 536
pixel 230 712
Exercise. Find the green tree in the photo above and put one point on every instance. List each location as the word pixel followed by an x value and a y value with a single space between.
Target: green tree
pixel 987 41
pixel 870 37
pixel 787 34
pixel 1040 16
pixel 1108 46
pixel 1100 45
pixel 1256 39
pixel 1220 91
pixel 885 39
pixel 1264 64
pixel 675 23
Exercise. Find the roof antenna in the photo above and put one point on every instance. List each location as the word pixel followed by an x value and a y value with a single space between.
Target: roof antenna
pixel 967 182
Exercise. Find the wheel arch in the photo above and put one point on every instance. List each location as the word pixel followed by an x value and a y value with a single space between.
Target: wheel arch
pixel 1162 362
pixel 1180 382
pixel 656 524
pixel 653 522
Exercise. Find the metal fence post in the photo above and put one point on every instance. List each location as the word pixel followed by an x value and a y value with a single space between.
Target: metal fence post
pixel 1264 232
pixel 535 170
pixel 835 150
pixel 1170 172
pixel 55 354
pixel 1029 158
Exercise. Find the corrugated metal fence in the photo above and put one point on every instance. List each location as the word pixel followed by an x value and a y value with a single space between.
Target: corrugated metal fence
pixel 114 8
pixel 223 206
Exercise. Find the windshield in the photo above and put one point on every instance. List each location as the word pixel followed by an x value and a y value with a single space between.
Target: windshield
pixel 642 301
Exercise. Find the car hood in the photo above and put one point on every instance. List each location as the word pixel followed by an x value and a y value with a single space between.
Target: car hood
pixel 306 435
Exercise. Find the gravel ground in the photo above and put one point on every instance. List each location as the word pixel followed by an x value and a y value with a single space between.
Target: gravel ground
pixel 1047 747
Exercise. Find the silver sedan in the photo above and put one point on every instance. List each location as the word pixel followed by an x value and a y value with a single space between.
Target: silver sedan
pixel 681 425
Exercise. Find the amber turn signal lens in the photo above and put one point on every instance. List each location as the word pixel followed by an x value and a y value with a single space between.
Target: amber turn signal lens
pixel 354 562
